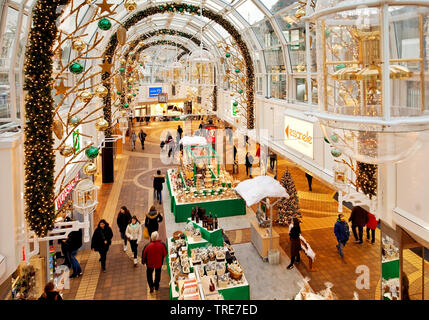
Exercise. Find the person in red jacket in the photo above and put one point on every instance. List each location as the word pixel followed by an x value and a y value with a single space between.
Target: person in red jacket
pixel 371 226
pixel 153 256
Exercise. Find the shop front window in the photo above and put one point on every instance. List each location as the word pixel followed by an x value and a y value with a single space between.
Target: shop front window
pixel 274 60
pixel 265 34
pixel 302 92
pixel 278 86
pixel 293 31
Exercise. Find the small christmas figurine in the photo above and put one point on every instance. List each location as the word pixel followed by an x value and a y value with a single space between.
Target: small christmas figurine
pixel 212 286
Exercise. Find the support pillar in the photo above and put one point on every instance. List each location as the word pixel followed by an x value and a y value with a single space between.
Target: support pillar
pixel 107 163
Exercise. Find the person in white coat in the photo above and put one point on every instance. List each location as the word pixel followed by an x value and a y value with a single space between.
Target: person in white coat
pixel 134 235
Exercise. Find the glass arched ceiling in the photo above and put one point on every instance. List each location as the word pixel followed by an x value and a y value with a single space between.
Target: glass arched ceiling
pixel 242 14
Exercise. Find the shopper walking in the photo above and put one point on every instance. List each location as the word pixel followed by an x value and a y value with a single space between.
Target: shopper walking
pixel 258 153
pixel 74 242
pixel 153 218
pixel 273 159
pixel 142 137
pixel 179 133
pixel 134 234
pixel 295 243
pixel 342 233
pixel 158 181
pixel 370 227
pixel 101 240
pixel 153 256
pixel 123 220
pixel 235 153
pixel 358 218
pixel 50 294
pixel 229 133
pixel 133 140
pixel 309 180
pixel 249 162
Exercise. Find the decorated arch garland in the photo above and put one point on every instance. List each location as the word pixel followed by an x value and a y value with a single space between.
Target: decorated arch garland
pixel 161 43
pixel 182 8
pixel 161 32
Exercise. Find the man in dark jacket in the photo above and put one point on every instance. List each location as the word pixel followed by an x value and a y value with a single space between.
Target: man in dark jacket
pixel 358 218
pixel 123 220
pixel 74 242
pixel 142 137
pixel 341 231
pixel 153 256
pixel 158 180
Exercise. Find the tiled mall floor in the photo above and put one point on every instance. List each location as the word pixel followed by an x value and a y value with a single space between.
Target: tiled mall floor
pixel 132 187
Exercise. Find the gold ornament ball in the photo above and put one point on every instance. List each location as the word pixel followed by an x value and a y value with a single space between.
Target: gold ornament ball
pixel 300 13
pixel 101 91
pixel 85 96
pixel 58 129
pixel 78 45
pixel 66 151
pixel 90 169
pixel 130 5
pixel 123 61
pixel 101 124
pixel 141 43
pixel 231 94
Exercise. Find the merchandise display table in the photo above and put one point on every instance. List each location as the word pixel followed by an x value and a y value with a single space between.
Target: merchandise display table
pixel 233 291
pixel 221 208
pixel 214 237
pixel 261 240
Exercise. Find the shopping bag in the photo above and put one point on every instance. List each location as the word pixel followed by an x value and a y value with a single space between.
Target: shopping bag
pixel 146 233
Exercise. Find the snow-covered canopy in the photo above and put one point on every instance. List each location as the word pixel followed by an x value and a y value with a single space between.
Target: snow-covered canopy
pixel 193 141
pixel 258 188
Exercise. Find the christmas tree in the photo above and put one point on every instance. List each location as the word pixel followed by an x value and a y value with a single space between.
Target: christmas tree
pixel 288 208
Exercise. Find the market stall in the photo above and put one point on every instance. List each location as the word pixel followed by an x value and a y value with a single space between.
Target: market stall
pixel 201 181
pixel 254 191
pixel 204 270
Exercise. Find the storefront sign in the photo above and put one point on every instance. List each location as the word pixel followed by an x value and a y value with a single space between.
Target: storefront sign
pixel 163 97
pixel 65 193
pixel 299 135
pixel 154 91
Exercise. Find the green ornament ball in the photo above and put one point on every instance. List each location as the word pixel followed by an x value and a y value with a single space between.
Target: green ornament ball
pixel 240 91
pixel 134 94
pixel 129 86
pixel 76 68
pixel 118 92
pixel 237 70
pixel 122 69
pixel 104 24
pixel 334 137
pixel 288 25
pixel 74 121
pixel 336 153
pixel 235 103
pixel 126 105
pixel 326 140
pixel 340 66
pixel 327 32
pixel 92 152
pixel 227 55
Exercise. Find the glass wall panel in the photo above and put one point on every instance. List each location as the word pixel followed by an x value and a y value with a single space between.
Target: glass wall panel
pixel 250 12
pixel 301 91
pixel 22 37
pixel 260 85
pixel 276 5
pixel 265 34
pixel 294 33
pixel 278 86
pixel 5 59
pixel 274 60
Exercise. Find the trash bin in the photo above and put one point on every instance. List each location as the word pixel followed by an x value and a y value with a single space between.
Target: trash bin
pixel 274 256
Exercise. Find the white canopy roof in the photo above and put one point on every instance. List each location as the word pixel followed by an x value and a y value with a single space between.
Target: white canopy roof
pixel 193 141
pixel 258 188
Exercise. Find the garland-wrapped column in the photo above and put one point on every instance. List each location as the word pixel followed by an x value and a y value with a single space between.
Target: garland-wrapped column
pixel 39 108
